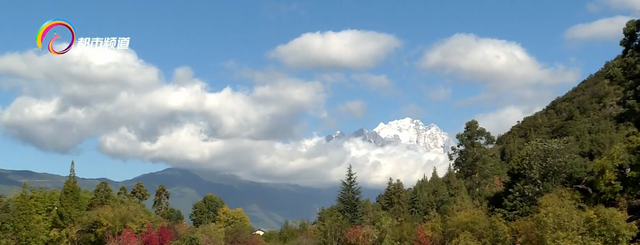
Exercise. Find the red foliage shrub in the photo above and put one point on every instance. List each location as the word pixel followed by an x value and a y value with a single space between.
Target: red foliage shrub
pixel 161 236
pixel 165 235
pixel 357 235
pixel 150 237
pixel 422 238
pixel 128 237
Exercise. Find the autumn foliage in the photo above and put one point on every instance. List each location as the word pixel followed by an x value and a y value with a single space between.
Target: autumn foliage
pixel 127 237
pixel 422 238
pixel 358 235
pixel 160 236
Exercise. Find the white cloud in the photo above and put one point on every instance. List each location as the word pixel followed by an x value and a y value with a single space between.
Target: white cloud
pixel 501 120
pixel 135 114
pixel 307 162
pixel 354 108
pixel 624 5
pixel 602 29
pixel 88 92
pixel 500 63
pixel 352 49
pixel 505 72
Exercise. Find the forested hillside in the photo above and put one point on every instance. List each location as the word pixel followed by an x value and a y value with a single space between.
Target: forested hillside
pixel 569 174
pixel 268 205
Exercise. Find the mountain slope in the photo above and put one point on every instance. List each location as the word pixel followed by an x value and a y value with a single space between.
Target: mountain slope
pixel 598 120
pixel 586 115
pixel 267 205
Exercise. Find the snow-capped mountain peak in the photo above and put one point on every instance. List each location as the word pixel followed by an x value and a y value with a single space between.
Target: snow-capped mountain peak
pixel 335 135
pixel 407 131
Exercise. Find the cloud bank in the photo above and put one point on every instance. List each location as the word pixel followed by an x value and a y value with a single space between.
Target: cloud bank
pixel 621 5
pixel 257 132
pixel 509 77
pixel 490 60
pixel 350 49
pixel 603 29
pixel 125 103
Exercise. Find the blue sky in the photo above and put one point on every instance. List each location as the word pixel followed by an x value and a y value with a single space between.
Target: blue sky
pixel 226 44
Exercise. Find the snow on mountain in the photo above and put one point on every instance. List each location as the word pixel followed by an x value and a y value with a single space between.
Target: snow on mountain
pixel 408 132
pixel 336 135
pixel 369 136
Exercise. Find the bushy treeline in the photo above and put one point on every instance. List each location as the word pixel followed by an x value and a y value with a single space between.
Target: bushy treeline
pixel 539 208
pixel 437 210
pixel 38 216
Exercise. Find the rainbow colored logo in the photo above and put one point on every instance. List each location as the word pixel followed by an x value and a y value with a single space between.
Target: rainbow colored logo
pixel 47 26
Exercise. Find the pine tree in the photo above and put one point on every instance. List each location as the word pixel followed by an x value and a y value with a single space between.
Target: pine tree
pixel 102 195
pixel 161 201
pixel 420 199
pixel 140 193
pixel 394 199
pixel 349 201
pixel 123 193
pixel 27 225
pixel 438 191
pixel 6 214
pixel 69 207
pixel 385 199
pixel 458 197
pixel 415 208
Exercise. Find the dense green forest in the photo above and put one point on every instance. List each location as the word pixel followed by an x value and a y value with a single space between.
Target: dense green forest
pixel 569 174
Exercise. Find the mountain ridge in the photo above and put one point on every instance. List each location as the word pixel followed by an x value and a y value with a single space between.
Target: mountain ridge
pixel 267 205
pixel 407 131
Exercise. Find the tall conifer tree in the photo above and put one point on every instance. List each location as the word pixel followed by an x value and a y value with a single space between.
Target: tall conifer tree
pixel 161 201
pixel 69 207
pixel 349 199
